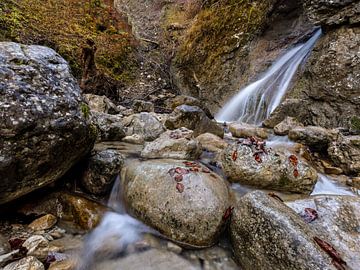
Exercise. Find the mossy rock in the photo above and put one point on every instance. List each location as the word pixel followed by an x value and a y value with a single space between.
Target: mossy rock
pixel 355 123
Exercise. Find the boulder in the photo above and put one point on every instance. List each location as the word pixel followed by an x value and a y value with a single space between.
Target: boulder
pixel 243 130
pixel 174 144
pixel 211 142
pixel 45 128
pixel 345 153
pixel 101 104
pixel 27 263
pixel 185 204
pixel 191 101
pixel 316 138
pixel 286 125
pixel 43 223
pixel 110 127
pixel 38 246
pixel 142 106
pixel 194 118
pixel 143 124
pixel 102 169
pixel 337 222
pixel 266 234
pixel 256 165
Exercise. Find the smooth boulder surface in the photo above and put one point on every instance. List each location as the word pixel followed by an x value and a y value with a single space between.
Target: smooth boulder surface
pixel 44 129
pixel 243 130
pixel 286 125
pixel 211 142
pixel 270 169
pixel 110 127
pixel 175 144
pixel 27 263
pixel 102 169
pixel 187 207
pixel 194 118
pixel 266 234
pixel 338 221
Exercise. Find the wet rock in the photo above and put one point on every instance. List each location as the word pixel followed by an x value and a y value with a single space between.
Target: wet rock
pixel 109 126
pixel 187 207
pixel 101 104
pixel 333 13
pixel 286 125
pixel 45 130
pixel 191 101
pixel 8 257
pixel 345 153
pixel 317 138
pixel 175 144
pixel 63 265
pixel 68 244
pixel 134 139
pixel 329 169
pixel 43 223
pixel 211 142
pixel 266 233
pixel 267 169
pixel 143 124
pixel 142 106
pixel 27 263
pixel 338 222
pixel 38 246
pixel 243 130
pixel 103 167
pixel 4 245
pixel 153 259
pixel 192 117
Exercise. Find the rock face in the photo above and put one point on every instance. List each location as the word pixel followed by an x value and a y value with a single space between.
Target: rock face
pixel 345 153
pixel 103 167
pixel 338 222
pixel 187 206
pixel 246 164
pixel 109 126
pixel 44 129
pixel 266 234
pixel 174 144
pixel 194 118
pixel 143 124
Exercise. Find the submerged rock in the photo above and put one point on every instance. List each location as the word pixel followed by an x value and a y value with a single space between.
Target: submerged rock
pixel 248 164
pixel 45 128
pixel 109 126
pixel 175 144
pixel 194 118
pixel 27 263
pixel 186 206
pixel 102 169
pixel 338 222
pixel 266 234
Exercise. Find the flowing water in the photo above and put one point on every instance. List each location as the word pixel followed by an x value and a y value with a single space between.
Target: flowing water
pixel 254 103
pixel 327 186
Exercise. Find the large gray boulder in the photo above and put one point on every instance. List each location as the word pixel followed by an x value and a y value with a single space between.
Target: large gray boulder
pixel 266 234
pixel 44 128
pixel 338 222
pixel 186 204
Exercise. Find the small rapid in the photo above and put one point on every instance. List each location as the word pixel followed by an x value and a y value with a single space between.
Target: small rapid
pixel 254 103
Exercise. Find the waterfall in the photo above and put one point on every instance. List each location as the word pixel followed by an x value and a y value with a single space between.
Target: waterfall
pixel 254 103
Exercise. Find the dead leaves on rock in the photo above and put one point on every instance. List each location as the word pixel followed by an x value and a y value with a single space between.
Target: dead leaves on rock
pixel 337 261
pixel 257 145
pixel 180 187
pixel 294 161
pixel 234 155
pixel 309 215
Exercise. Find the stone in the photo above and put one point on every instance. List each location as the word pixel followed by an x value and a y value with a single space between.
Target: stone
pixel 173 247
pixel 102 168
pixel 8 257
pixel 27 263
pixel 134 139
pixel 109 126
pixel 38 246
pixel 63 265
pixel 142 106
pixel 188 210
pixel 338 222
pixel 211 142
pixel 174 144
pixel 101 104
pixel 266 233
pixel 153 259
pixel 188 100
pixel 4 245
pixel 194 118
pixel 45 128
pixel 315 137
pixel 328 169
pixel 345 153
pixel 43 223
pixel 243 130
pixel 270 169
pixel 286 125
pixel 143 124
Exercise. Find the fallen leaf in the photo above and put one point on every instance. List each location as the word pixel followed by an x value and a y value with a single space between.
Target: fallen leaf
pixel 190 164
pixel 296 173
pixel 16 243
pixel 178 178
pixel 272 194
pixel 234 155
pixel 227 213
pixel 181 170
pixel 329 249
pixel 293 160
pixel 310 215
pixel 257 157
pixel 194 169
pixel 180 187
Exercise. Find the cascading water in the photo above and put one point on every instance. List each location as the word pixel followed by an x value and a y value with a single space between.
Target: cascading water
pixel 257 101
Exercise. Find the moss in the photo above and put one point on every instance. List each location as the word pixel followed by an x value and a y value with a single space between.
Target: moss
pixel 355 123
pixel 66 25
pixel 85 110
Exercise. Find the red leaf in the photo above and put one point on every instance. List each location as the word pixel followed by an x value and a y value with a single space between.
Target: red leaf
pixel 181 170
pixel 296 173
pixel 227 213
pixel 180 187
pixel 205 170
pixel 194 169
pixel 16 243
pixel 293 160
pixel 329 249
pixel 234 155
pixel 190 164
pixel 178 178
pixel 257 157
pixel 272 194
pixel 310 215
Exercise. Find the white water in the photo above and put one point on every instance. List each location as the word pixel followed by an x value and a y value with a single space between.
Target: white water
pixel 327 186
pixel 254 103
